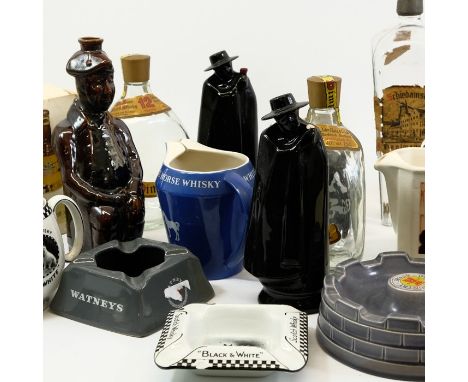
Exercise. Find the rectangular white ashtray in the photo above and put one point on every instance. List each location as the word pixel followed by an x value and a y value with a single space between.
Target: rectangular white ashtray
pixel 234 339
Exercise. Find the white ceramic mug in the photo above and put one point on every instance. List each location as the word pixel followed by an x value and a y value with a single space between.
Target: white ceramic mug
pixel 53 251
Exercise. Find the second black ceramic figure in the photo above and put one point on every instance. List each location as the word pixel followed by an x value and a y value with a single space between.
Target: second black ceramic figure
pixel 287 239
pixel 228 113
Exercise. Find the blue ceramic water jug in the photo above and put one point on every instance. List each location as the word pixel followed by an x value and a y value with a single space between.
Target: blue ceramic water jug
pixel 205 197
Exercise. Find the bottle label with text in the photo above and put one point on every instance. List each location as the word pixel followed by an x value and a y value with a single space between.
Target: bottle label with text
pixel 400 118
pixel 139 106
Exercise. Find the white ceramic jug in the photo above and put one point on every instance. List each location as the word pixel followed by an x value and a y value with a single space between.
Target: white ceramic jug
pixel 53 251
pixel 404 172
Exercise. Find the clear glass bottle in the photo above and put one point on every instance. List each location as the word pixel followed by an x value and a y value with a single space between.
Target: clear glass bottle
pixel 151 122
pixel 399 87
pixel 346 186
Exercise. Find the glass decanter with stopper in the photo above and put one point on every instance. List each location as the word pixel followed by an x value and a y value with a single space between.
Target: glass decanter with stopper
pixel 152 123
pixel 399 90
pixel 346 183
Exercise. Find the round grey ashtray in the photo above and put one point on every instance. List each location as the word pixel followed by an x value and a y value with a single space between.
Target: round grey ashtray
pixel 371 334
pixel 369 349
pixel 386 292
pixel 130 287
pixel 381 368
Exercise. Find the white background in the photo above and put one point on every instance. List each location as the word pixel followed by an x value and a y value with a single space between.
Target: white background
pixel 280 42
pixel 35 34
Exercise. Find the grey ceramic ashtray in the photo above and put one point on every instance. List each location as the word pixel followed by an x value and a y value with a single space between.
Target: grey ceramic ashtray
pixel 387 292
pixel 130 287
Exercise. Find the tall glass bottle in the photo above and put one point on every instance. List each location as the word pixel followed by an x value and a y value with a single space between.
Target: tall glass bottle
pixel 399 90
pixel 151 122
pixel 346 183
pixel 51 178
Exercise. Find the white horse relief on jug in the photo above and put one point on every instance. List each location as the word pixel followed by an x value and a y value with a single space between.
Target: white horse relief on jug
pixel 171 225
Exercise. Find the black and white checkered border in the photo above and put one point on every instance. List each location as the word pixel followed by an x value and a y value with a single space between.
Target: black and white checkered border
pixel 165 331
pixel 247 364
pixel 303 335
pixel 47 210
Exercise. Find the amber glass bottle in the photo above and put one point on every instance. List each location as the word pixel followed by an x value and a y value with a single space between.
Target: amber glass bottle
pixel 51 179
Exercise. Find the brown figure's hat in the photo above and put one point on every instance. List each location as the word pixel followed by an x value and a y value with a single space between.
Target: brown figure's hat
pixel 89 59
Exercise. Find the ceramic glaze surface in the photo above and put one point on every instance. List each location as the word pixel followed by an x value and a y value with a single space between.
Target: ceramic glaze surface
pixel 100 166
pixel 129 287
pixel 53 252
pixel 241 340
pixel 228 113
pixel 386 292
pixel 287 239
pixel 404 171
pixel 205 196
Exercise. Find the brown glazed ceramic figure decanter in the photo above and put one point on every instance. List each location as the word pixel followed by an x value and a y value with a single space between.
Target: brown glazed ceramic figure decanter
pixel 228 112
pixel 100 166
pixel 287 237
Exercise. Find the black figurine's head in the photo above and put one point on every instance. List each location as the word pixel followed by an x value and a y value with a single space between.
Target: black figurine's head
pixel 285 110
pixel 221 63
pixel 94 75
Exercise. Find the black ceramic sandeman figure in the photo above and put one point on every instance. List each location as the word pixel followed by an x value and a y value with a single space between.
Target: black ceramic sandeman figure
pixel 287 237
pixel 228 113
pixel 100 166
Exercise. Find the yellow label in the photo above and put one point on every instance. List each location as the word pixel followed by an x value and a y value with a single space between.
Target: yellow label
pixel 139 106
pixel 336 137
pixel 149 189
pixel 332 94
pixel 51 179
pixel 400 118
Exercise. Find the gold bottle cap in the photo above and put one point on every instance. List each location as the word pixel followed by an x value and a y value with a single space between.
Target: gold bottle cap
pixel 136 67
pixel 324 91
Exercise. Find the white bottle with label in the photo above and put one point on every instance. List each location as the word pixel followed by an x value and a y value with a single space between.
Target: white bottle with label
pixel 152 123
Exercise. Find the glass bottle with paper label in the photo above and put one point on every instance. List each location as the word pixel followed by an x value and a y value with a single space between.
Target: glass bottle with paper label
pixel 346 184
pixel 152 123
pixel 399 90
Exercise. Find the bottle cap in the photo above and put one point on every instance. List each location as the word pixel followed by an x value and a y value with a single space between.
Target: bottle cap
pixel 410 7
pixel 324 91
pixel 89 59
pixel 136 67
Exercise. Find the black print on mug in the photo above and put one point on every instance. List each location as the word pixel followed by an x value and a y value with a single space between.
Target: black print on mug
pixel 50 255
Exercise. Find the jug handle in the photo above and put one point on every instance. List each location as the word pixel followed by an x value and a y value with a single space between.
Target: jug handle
pixel 75 213
pixel 243 189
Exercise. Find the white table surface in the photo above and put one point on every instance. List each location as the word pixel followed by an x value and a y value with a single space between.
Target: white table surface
pixel 78 352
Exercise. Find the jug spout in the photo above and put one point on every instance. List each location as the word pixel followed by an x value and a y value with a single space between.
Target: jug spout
pixel 386 165
pixel 173 150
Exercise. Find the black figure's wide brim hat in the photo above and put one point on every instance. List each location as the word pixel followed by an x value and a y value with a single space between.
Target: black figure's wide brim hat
pixel 219 58
pixel 89 59
pixel 283 104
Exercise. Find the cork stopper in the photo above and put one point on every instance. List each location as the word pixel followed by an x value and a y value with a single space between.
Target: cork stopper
pixel 324 91
pixel 136 67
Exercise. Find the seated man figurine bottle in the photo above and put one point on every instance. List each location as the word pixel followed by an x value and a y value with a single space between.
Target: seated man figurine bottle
pixel 228 112
pixel 287 236
pixel 100 166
